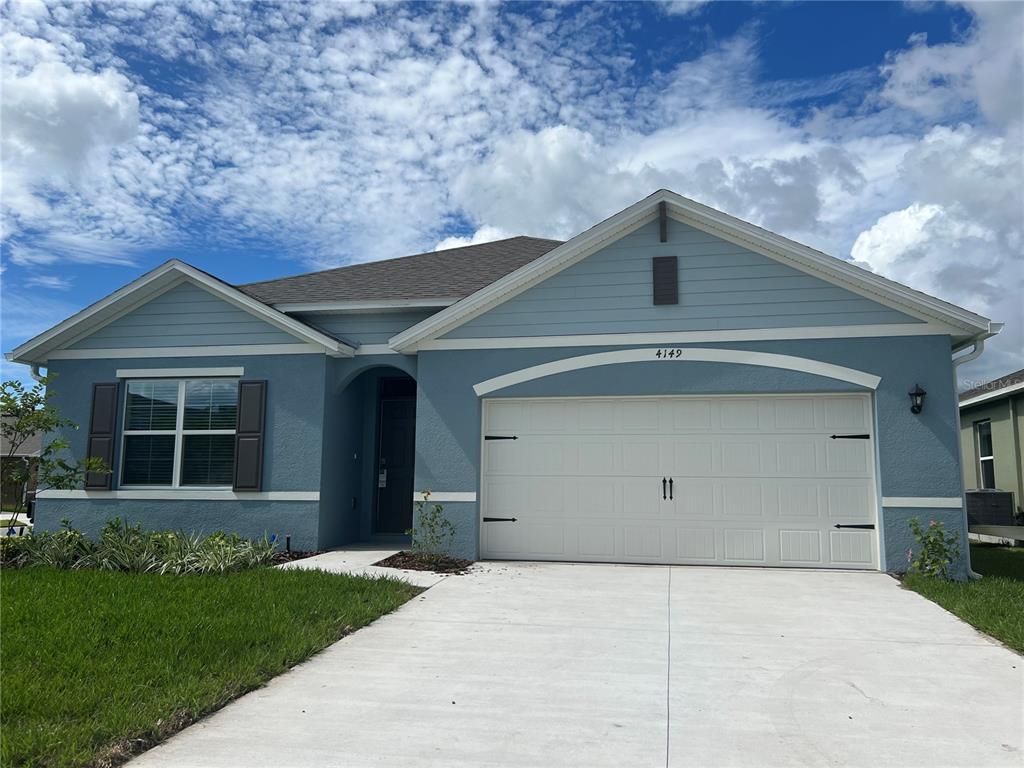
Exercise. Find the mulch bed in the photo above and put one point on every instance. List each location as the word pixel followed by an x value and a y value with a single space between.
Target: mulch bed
pixel 295 554
pixel 412 561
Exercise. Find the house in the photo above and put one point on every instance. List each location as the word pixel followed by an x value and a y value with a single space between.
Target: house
pixel 16 459
pixel 991 434
pixel 673 385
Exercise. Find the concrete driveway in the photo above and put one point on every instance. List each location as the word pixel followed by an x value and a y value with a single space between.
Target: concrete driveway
pixel 599 665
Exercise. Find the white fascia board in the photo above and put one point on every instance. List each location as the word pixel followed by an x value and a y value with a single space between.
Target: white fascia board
pixel 146 287
pixel 993 395
pixel 343 307
pixel 836 271
pixel 688 337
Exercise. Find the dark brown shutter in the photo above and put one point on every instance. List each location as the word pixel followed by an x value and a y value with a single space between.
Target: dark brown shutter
pixel 102 433
pixel 665 279
pixel 252 403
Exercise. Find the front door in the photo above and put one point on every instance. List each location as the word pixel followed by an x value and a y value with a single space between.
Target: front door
pixel 396 456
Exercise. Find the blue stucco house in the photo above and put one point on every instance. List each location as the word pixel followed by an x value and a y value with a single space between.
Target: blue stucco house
pixel 673 385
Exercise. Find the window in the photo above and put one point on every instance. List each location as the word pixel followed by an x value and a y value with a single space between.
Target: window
pixel 986 460
pixel 180 433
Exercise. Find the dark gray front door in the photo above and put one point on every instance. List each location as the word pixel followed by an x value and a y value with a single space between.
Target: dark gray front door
pixel 395 462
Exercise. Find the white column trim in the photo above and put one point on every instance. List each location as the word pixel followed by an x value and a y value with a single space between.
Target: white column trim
pixel 451 496
pixel 679 354
pixel 922 502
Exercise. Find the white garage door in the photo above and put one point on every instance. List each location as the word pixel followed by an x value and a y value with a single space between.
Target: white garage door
pixel 730 480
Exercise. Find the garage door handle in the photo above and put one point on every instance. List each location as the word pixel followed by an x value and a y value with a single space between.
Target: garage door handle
pixel 664 487
pixel 670 489
pixel 866 526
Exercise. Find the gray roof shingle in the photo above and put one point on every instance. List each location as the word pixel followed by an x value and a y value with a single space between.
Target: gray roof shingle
pixel 449 274
pixel 995 385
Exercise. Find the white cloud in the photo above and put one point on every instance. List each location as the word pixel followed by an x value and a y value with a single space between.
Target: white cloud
pixel 483 235
pixel 53 282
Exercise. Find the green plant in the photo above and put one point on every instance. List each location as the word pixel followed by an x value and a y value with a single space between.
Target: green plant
pixel 127 548
pixel 433 533
pixel 26 413
pixel 937 549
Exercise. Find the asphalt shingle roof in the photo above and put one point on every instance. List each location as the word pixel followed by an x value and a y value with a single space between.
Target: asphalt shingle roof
pixel 995 385
pixel 449 274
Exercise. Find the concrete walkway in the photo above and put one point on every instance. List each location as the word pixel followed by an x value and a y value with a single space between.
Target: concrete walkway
pixel 600 665
pixel 359 559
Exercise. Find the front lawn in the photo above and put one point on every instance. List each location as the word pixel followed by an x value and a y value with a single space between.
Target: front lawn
pixel 98 665
pixel 993 604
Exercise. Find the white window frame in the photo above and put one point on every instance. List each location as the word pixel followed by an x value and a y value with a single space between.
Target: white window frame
pixel 982 459
pixel 179 432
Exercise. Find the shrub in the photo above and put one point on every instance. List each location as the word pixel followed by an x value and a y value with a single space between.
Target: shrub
pixel 433 533
pixel 937 550
pixel 129 549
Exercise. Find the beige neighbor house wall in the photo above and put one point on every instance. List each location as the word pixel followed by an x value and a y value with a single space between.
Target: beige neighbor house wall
pixel 1006 415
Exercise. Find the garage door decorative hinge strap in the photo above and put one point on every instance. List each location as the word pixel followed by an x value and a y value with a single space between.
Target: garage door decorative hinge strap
pixel 850 437
pixel 864 526
pixel 499 519
pixel 501 437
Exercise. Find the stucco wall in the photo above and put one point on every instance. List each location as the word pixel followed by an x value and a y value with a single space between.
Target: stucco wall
pixel 918 454
pixel 292 448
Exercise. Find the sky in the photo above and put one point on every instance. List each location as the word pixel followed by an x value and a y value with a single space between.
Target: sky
pixel 257 140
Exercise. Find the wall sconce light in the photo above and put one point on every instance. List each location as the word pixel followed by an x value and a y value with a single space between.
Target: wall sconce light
pixel 916 399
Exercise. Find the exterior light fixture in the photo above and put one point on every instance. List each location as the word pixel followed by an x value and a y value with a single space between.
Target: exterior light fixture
pixel 916 399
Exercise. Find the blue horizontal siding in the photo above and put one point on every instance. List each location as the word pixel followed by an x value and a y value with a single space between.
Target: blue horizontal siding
pixel 185 316
pixel 722 286
pixel 366 327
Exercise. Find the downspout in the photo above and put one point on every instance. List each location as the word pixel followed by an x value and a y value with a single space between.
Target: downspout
pixel 976 349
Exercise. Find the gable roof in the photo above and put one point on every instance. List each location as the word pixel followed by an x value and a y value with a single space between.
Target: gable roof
pixel 962 324
pixel 442 276
pixel 152 284
pixel 992 390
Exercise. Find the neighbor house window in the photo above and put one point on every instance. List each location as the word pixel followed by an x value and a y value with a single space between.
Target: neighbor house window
pixel 986 460
pixel 180 433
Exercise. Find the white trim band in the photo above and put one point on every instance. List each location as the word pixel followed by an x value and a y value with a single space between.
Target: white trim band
pixel 922 502
pixel 679 354
pixel 375 349
pixel 689 337
pixel 452 496
pixel 176 373
pixel 183 494
pixel 212 351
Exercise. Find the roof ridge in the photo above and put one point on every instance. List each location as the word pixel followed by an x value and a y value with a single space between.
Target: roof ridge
pixel 395 258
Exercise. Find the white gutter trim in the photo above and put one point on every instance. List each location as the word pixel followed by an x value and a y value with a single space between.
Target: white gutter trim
pixel 130 353
pixel 687 337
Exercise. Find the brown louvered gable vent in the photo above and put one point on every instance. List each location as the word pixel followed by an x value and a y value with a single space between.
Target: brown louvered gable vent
pixel 665 274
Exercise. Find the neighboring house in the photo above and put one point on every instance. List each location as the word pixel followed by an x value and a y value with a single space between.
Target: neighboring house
pixel 673 385
pixel 991 434
pixel 24 455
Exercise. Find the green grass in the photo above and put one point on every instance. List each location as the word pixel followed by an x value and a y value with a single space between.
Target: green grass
pixel 110 663
pixel 993 604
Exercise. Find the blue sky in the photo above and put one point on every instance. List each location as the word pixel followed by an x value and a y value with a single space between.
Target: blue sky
pixel 258 140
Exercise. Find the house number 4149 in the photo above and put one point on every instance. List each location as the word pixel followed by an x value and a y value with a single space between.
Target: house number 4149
pixel 668 354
